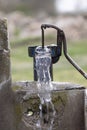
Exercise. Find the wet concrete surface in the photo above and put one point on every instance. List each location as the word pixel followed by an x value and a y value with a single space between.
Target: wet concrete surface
pixel 68 103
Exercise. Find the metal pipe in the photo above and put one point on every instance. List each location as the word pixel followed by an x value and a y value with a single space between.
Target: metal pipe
pixel 42 38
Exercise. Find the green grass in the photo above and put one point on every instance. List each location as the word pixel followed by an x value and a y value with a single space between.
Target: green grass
pixel 22 65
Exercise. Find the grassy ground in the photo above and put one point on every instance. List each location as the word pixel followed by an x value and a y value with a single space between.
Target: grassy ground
pixel 22 65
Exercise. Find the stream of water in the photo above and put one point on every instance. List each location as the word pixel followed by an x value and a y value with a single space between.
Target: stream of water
pixel 42 118
pixel 47 110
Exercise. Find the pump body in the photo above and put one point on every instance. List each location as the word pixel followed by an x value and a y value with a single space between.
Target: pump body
pixel 56 51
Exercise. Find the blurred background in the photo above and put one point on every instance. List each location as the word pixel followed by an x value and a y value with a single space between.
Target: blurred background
pixel 24 20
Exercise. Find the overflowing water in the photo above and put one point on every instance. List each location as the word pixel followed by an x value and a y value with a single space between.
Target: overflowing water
pixel 47 111
pixel 41 118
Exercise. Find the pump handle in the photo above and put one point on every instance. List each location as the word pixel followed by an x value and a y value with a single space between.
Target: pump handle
pixel 61 39
pixel 70 59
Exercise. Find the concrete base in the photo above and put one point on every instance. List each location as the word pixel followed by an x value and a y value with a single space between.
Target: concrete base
pixel 68 100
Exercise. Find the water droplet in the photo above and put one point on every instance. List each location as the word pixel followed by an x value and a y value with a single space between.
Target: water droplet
pixel 28 113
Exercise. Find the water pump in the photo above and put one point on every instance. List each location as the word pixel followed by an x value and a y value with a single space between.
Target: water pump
pixel 56 50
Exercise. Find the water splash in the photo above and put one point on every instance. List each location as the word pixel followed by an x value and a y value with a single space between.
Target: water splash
pixel 43 64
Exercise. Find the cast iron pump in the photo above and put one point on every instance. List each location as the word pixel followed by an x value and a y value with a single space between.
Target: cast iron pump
pixel 56 50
